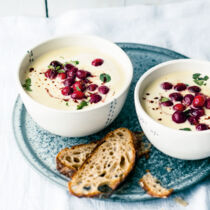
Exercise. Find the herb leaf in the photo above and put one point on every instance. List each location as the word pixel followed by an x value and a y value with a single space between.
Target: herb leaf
pixel 196 75
pixel 105 77
pixel 199 80
pixel 78 88
pixel 74 62
pixel 50 67
pixel 57 68
pixel 185 129
pixel 27 84
pixel 164 99
pixel 61 71
pixel 67 103
pixel 82 104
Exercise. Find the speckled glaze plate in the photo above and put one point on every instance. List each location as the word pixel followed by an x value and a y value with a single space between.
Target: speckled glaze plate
pixel 40 147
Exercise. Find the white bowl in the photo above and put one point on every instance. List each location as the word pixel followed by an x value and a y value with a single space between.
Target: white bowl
pixel 79 122
pixel 187 145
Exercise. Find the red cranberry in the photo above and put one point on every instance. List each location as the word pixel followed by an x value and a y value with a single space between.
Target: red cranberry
pixel 194 89
pixel 68 82
pixel 92 87
pixel 197 112
pixel 68 66
pixel 97 62
pixel 208 103
pixel 81 74
pixel 179 117
pixel 95 98
pixel 51 74
pixel 103 89
pixel 202 127
pixel 66 91
pixel 56 64
pixel 176 96
pixel 167 103
pixel 179 107
pixel 188 99
pixel 78 85
pixel 199 101
pixel 180 87
pixel 193 120
pixel 62 75
pixel 48 73
pixel 166 85
pixel 77 95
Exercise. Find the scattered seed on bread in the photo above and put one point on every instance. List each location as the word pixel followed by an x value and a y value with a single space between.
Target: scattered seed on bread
pixel 181 201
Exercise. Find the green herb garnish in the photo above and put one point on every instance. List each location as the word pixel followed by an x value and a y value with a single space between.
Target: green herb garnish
pixel 164 99
pixel 74 62
pixel 57 68
pixel 61 71
pixel 50 67
pixel 185 129
pixel 82 104
pixel 78 88
pixel 105 77
pixel 27 84
pixel 199 80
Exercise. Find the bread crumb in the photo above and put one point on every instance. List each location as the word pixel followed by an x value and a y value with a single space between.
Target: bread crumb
pixel 181 201
pixel 168 169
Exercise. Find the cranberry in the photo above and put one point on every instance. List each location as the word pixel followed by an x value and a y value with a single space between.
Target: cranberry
pixel 103 89
pixel 48 73
pixel 208 103
pixel 202 127
pixel 167 103
pixel 193 120
pixel 166 85
pixel 78 85
pixel 71 73
pixel 51 74
pixel 197 112
pixel 77 95
pixel 199 101
pixel 194 89
pixel 62 75
pixel 176 96
pixel 56 64
pixel 68 82
pixel 179 107
pixel 188 99
pixel 95 98
pixel 179 117
pixel 180 87
pixel 97 62
pixel 92 87
pixel 81 74
pixel 68 66
pixel 66 91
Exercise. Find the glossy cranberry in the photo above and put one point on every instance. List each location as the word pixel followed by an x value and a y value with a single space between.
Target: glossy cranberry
pixel 202 127
pixel 66 91
pixel 51 74
pixel 179 107
pixel 71 73
pixel 68 66
pixel 103 89
pixel 68 82
pixel 176 96
pixel 207 103
pixel 48 73
pixel 194 89
pixel 95 98
pixel 97 62
pixel 166 85
pixel 62 75
pixel 197 112
pixel 78 85
pixel 167 103
pixel 77 95
pixel 179 117
pixel 193 120
pixel 92 87
pixel 55 64
pixel 188 99
pixel 180 87
pixel 81 74
pixel 199 101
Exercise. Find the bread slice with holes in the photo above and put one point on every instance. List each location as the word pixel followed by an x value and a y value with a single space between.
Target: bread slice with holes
pixel 153 187
pixel 106 167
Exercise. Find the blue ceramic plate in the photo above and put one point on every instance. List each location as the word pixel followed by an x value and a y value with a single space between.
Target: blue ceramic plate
pixel 40 147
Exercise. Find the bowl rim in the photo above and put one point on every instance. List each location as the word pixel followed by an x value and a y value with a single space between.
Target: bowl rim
pixel 79 36
pixel 149 72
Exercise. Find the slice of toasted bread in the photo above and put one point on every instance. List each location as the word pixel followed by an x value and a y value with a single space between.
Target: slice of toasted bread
pixel 106 167
pixel 69 160
pixel 153 187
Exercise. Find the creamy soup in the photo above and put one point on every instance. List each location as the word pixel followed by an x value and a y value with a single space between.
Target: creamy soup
pixel 73 78
pixel 179 100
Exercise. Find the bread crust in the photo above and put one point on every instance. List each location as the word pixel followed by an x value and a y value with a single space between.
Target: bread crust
pixel 117 182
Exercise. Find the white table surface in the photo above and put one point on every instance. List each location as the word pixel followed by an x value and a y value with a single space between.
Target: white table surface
pixel 181 27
